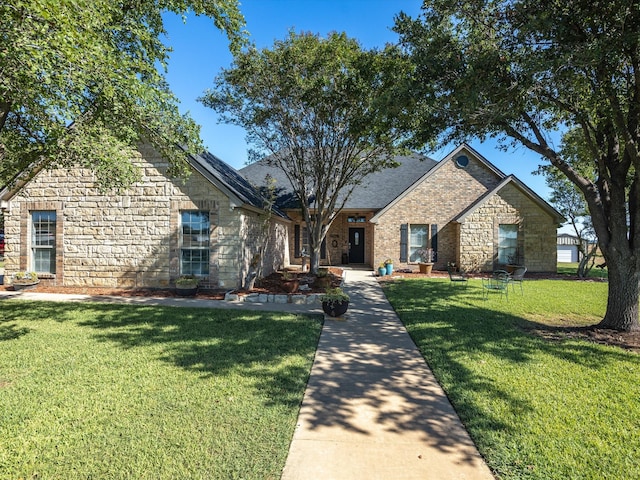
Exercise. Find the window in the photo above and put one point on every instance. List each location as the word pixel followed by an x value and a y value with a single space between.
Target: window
pixel 358 219
pixel 414 238
pixel 418 238
pixel 43 241
pixel 194 251
pixel 507 244
pixel 301 242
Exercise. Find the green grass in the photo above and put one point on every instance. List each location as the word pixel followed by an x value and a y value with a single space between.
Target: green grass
pixel 536 408
pixel 113 391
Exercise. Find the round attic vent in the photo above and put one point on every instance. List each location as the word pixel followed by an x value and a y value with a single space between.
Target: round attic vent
pixel 462 161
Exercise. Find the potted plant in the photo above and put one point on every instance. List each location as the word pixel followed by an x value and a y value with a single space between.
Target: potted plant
pixel 425 264
pixel 382 270
pixel 323 280
pixel 25 280
pixel 334 302
pixel 290 282
pixel 187 286
pixel 388 263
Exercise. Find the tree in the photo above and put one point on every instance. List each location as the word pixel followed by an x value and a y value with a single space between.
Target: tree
pixel 517 71
pixel 323 110
pixel 570 202
pixel 79 84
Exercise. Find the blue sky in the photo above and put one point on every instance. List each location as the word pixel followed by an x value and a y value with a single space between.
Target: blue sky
pixel 201 51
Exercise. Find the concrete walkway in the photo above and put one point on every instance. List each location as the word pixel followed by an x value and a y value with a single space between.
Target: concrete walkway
pixel 372 408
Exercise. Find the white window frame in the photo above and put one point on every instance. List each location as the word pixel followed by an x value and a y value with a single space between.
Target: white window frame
pixel 507 242
pixel 43 240
pixel 416 242
pixel 194 244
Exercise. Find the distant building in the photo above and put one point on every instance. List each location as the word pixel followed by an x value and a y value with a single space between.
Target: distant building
pixel 567 247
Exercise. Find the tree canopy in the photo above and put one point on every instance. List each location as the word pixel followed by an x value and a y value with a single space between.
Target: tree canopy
pixel 323 110
pixel 82 82
pixel 520 70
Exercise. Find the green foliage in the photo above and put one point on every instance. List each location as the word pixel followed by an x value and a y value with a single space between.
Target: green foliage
pixel 25 276
pixel 112 391
pixel 327 111
pixel 521 71
pixel 334 295
pixel 80 84
pixel 536 407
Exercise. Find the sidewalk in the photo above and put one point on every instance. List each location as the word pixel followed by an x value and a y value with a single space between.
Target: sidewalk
pixel 372 408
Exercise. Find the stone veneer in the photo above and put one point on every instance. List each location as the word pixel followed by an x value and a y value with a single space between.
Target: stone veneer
pixel 131 239
pixel 479 232
pixel 443 196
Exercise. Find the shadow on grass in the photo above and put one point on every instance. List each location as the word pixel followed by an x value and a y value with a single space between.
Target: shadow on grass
pixel 10 331
pixel 258 345
pixel 448 323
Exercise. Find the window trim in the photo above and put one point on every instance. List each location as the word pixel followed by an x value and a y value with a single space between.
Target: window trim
pixel 206 263
pixel 514 242
pixel 411 246
pixel 34 247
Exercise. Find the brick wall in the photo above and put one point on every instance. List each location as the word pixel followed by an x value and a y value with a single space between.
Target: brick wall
pixel 126 239
pixel 442 196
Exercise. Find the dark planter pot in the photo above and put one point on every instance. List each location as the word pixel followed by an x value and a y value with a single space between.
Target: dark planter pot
pixel 425 268
pixel 389 268
pixel 186 291
pixel 25 286
pixel 335 309
pixel 290 286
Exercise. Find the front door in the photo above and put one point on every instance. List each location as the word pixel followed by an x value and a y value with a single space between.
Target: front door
pixel 356 245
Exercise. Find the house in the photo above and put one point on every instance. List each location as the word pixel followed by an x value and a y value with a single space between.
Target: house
pixel 567 248
pixel 210 225
pixel 463 207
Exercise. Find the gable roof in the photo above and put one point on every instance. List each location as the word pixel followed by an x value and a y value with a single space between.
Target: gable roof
pixel 511 179
pixel 417 181
pixel 375 191
pixel 224 177
pixel 227 179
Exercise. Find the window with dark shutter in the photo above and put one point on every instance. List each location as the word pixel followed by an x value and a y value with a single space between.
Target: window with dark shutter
pixel 404 240
pixel 296 241
pixel 434 241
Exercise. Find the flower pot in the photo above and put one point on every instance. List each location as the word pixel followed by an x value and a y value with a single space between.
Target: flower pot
pixel 25 285
pixel 389 268
pixel 186 291
pixel 322 282
pixel 290 286
pixel 382 271
pixel 335 309
pixel 425 268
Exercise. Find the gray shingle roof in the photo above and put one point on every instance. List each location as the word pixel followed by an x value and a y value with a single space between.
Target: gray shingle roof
pixel 375 192
pixel 232 180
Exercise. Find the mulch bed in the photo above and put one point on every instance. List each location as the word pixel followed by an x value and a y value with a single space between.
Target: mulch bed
pixel 271 284
pixel 274 284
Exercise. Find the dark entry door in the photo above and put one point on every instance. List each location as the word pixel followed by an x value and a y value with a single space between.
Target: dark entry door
pixel 356 245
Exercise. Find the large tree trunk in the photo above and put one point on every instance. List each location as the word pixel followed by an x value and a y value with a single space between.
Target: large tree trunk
pixel 622 301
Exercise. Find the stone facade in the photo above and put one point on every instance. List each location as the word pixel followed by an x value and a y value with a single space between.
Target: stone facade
pixel 478 233
pixel 443 196
pixel 131 239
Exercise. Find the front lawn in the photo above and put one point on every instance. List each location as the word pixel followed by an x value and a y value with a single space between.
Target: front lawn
pixel 537 408
pixel 113 391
